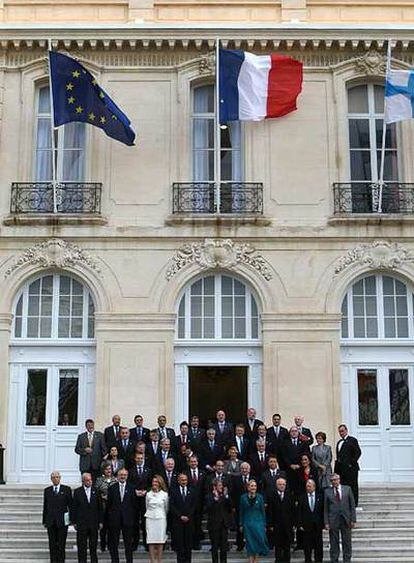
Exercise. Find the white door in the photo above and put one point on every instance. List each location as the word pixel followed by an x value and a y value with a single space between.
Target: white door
pixel 381 404
pixel 52 402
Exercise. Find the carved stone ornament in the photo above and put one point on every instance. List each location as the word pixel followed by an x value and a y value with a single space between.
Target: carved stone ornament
pixel 371 63
pixel 54 253
pixel 377 255
pixel 207 64
pixel 218 254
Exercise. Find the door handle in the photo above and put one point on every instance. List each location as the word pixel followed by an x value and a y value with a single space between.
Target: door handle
pixel 54 429
pixel 388 428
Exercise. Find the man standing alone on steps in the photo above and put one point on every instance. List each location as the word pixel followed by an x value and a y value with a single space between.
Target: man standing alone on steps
pixel 339 518
pixel 57 502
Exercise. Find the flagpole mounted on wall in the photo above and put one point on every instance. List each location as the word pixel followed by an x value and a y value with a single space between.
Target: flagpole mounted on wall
pixel 53 130
pixel 384 135
pixel 217 152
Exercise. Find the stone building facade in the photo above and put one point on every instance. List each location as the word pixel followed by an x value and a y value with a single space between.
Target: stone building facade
pixel 139 295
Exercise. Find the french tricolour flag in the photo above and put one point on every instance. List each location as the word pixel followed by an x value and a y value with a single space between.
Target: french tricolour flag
pixel 254 87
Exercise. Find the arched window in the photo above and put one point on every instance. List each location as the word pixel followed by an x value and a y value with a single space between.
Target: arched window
pixel 70 141
pixel 203 133
pixel 54 306
pixel 218 307
pixel 365 125
pixel 378 306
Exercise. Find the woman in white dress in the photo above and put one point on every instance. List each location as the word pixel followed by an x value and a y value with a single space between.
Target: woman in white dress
pixel 156 504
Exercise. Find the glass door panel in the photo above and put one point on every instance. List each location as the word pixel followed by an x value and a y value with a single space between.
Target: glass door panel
pixel 399 396
pixel 367 397
pixel 68 397
pixel 36 397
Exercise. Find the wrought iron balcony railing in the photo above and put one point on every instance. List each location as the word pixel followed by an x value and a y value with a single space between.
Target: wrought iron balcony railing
pixel 228 198
pixel 71 197
pixel 363 197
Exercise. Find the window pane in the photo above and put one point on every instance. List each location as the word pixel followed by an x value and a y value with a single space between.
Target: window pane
pixel 389 309
pixel 209 285
pixel 226 285
pixel 196 306
pixel 389 328
pixel 344 323
pixel 372 328
pixel 64 305
pixel 402 310
pixel 390 135
pixel 390 165
pixel 371 306
pixel 34 288
pixel 358 306
pixel 399 397
pixel 358 99
pixel 68 397
pixel 33 305
pixel 360 166
pixel 388 285
pixel 77 288
pixel 203 98
pixel 227 328
pixel 227 306
pixel 45 327
pixel 76 330
pixel 36 397
pixel 44 100
pixel 77 305
pixel 209 306
pixel 209 328
pixel 63 328
pixel 370 285
pixel 400 288
pixel 64 285
pixel 239 328
pixel 359 134
pixel 255 327
pixel 203 133
pixel 402 328
pixel 240 306
pixel 196 288
pixel 18 327
pixel 367 397
pixel 33 327
pixel 195 328
pixel 379 98
pixel 181 308
pixel 359 328
pixel 181 328
pixel 46 305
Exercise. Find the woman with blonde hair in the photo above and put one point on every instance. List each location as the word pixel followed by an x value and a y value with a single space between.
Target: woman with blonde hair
pixel 156 504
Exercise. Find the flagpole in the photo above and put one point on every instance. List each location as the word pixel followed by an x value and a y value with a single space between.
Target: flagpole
pixel 53 130
pixel 384 136
pixel 217 159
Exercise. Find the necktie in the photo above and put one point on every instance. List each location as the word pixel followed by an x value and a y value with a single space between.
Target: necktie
pixel 139 470
pixel 281 496
pixel 295 442
pixel 183 493
pixel 312 502
pixel 211 445
pixel 122 492
pixel 273 473
pixel 337 495
pixel 55 489
pixel 124 444
pixel 261 458
pixel 194 476
pixel 169 477
pixel 139 432
pixel 277 431
pixel 90 438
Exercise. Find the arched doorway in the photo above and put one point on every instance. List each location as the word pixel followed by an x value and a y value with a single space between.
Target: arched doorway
pixel 377 356
pixel 52 376
pixel 218 352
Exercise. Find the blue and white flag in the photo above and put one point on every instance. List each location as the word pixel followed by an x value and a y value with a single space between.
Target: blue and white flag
pixel 399 96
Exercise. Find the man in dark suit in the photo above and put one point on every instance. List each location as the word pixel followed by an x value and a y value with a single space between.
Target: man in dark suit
pixel 153 445
pixel 87 517
pixel 277 434
pixel 339 518
pixel 219 520
pixel 111 433
pixel 169 474
pixel 310 521
pixel 182 439
pixel 195 433
pixel 162 429
pixel 140 477
pixel 224 429
pixel 210 450
pixel 139 433
pixel 57 503
pixel 91 448
pixel 121 508
pixel 348 453
pixel 165 452
pixel 238 488
pixel 258 460
pixel 305 435
pixel 241 443
pixel 197 480
pixel 251 424
pixel 126 447
pixel 291 451
pixel 218 475
pixel 183 502
pixel 270 476
pixel 281 519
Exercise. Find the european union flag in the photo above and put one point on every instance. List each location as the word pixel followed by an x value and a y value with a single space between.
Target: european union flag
pixel 78 97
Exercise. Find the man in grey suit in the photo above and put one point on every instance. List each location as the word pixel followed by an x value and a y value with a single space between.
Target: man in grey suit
pixel 339 517
pixel 91 448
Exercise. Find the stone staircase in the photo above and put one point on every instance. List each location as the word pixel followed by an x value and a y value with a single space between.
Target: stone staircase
pixel 384 533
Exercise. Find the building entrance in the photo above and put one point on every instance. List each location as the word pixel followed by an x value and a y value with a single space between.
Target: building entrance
pixel 212 388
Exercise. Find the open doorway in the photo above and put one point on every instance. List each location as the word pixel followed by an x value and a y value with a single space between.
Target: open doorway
pixel 212 388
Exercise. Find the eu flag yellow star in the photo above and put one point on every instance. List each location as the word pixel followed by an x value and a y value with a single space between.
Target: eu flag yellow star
pixel 79 109
pixel 71 100
pixel 69 86
pixel 103 119
pixel 76 74
pixel 101 95
pixel 91 116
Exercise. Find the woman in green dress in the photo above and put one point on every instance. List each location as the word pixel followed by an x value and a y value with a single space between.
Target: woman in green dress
pixel 253 522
